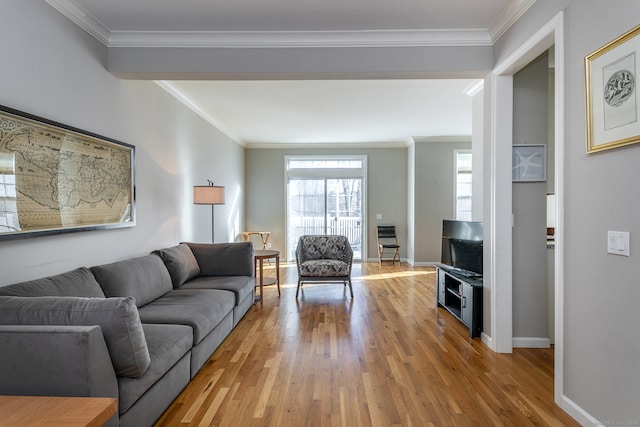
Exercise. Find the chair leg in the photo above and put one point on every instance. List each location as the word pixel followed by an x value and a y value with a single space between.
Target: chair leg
pixel 298 288
pixel 350 288
pixel 380 250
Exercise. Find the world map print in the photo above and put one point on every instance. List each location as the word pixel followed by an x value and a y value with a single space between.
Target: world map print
pixel 54 179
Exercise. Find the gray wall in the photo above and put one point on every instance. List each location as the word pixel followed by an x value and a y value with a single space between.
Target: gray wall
pixel 58 72
pixel 530 126
pixel 386 190
pixel 601 344
pixel 434 194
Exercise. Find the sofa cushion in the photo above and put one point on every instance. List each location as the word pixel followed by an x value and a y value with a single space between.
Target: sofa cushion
pixel 198 308
pixel 180 263
pixel 144 278
pixel 117 317
pixel 224 259
pixel 241 286
pixel 167 345
pixel 75 283
pixel 324 268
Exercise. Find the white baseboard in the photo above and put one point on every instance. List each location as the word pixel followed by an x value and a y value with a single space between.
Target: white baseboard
pixel 531 342
pixel 577 413
pixel 487 340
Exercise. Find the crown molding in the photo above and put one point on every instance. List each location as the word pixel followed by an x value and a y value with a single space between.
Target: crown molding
pixel 175 91
pixel 473 88
pixel 368 144
pixel 82 19
pixel 443 138
pixel 508 17
pixel 285 39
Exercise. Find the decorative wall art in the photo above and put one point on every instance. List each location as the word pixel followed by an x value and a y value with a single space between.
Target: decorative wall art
pixel 611 79
pixel 529 163
pixel 57 179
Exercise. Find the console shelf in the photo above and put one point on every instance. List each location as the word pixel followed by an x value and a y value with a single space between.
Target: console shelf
pixel 462 297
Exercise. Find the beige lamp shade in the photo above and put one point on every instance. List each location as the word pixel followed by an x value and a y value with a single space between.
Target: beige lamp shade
pixel 208 195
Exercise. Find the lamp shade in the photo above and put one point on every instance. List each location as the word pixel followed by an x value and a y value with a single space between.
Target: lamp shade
pixel 208 195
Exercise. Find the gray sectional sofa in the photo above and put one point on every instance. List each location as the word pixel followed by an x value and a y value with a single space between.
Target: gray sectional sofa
pixel 138 330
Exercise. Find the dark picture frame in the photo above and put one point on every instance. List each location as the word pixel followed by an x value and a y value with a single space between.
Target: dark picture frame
pixel 611 91
pixel 55 178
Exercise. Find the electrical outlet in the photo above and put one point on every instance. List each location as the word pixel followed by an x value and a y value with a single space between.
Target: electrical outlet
pixel 269 245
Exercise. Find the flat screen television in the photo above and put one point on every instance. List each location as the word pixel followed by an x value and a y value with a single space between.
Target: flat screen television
pixel 462 245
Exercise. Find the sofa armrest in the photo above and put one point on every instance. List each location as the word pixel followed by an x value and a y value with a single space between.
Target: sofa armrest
pixel 51 360
pixel 224 259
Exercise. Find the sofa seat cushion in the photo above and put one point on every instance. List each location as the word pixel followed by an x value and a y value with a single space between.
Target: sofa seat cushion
pixel 324 268
pixel 75 283
pixel 241 286
pixel 180 262
pixel 117 317
pixel 144 278
pixel 167 345
pixel 201 309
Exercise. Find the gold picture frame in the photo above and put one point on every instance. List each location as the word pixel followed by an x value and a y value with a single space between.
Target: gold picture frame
pixel 611 89
pixel 56 178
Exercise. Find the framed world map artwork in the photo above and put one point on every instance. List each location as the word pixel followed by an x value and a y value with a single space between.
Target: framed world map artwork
pixel 57 179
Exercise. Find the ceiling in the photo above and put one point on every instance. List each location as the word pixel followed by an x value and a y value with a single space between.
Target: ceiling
pixel 272 112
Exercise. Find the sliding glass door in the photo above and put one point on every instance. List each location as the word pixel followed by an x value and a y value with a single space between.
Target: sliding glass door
pixel 320 201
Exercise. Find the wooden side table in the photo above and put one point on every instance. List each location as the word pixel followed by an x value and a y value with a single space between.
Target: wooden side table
pixel 264 236
pixel 56 411
pixel 258 258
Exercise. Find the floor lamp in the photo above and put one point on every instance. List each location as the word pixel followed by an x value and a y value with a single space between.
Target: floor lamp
pixel 209 195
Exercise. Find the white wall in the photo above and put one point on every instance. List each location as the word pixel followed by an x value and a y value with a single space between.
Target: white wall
pixel 53 69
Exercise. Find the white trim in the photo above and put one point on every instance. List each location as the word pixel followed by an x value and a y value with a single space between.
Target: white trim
pixel 287 39
pixel 509 16
pixel 474 88
pixel 177 93
pixel 531 342
pixel 579 414
pixel 364 144
pixel 284 39
pixel 82 19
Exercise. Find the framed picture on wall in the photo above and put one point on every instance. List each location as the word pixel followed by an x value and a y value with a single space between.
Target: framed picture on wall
pixel 57 179
pixel 529 163
pixel 611 86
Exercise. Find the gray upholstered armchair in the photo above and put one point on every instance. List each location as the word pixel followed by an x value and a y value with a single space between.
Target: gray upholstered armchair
pixel 324 259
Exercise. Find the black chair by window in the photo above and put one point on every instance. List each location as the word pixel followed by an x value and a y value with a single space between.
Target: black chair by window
pixel 388 241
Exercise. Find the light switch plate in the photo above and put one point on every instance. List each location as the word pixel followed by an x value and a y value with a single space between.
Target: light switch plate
pixel 378 216
pixel 618 243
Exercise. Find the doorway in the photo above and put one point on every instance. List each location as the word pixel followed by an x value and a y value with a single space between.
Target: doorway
pixel 325 195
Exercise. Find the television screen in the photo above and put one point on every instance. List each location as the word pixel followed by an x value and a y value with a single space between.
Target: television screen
pixel 462 245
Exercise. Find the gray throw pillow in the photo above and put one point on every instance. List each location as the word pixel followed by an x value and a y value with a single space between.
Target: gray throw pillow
pixel 117 317
pixel 180 262
pixel 145 278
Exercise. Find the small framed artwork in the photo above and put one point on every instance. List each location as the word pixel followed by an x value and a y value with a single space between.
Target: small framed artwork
pixel 529 163
pixel 611 74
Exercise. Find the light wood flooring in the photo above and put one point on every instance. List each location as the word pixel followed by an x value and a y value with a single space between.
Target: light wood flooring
pixel 387 357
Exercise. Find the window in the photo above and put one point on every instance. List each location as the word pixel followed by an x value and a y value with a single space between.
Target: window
pixel 463 185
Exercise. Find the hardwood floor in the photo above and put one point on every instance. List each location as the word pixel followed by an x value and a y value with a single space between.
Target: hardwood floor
pixel 387 357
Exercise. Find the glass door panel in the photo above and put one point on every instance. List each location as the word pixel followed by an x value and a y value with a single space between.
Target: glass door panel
pixel 344 211
pixel 306 210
